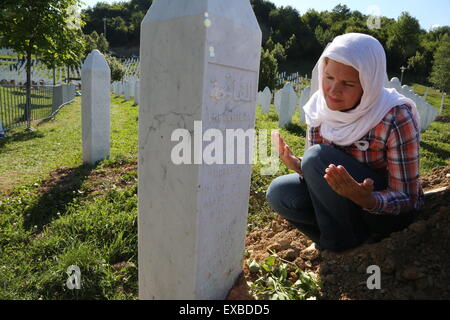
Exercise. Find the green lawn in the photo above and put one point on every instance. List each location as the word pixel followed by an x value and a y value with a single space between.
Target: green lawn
pixel 87 215
pixel 434 97
pixel 42 233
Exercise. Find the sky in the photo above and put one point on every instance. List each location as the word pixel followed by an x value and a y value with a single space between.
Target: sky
pixel 429 13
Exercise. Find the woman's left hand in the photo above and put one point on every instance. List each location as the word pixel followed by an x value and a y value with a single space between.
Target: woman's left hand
pixel 343 184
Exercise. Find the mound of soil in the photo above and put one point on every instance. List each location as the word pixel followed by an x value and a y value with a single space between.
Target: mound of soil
pixel 414 262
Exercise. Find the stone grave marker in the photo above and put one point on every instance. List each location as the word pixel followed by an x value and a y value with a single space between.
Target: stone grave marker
pixel 198 72
pixel 288 103
pixel 266 99
pixel 277 101
pixel 136 92
pixel 304 97
pixel 127 89
pixel 426 111
pixel 96 78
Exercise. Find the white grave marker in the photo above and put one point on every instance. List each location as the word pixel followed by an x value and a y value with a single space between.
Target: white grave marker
pixel 95 78
pixel 288 102
pixel 277 101
pixel 266 99
pixel 304 97
pixel 426 111
pixel 199 62
pixel 136 92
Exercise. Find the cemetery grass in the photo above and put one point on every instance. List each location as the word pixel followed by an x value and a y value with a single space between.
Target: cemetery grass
pixel 56 212
pixel 76 215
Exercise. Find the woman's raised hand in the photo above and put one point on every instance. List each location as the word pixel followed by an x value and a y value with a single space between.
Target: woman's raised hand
pixel 286 155
pixel 345 185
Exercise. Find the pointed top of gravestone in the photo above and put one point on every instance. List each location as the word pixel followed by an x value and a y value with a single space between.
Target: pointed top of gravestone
pixel 95 60
pixel 395 80
pixel 239 11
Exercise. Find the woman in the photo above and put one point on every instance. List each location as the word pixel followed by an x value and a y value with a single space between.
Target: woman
pixel 361 174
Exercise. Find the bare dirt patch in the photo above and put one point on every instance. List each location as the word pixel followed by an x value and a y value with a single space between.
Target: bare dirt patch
pixel 414 262
pixel 443 119
pixel 94 182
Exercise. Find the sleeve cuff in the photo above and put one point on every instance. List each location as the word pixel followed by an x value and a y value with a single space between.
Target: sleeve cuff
pixel 378 203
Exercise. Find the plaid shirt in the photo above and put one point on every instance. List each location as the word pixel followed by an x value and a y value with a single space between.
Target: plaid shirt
pixel 393 153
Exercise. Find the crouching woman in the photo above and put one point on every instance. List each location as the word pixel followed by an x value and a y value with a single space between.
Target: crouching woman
pixel 360 175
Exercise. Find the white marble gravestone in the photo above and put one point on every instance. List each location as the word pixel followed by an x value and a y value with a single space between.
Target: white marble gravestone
pixel 266 99
pixel 121 88
pixel 277 101
pixel 199 62
pixel 127 88
pixel 258 98
pixel 426 94
pixel 132 84
pixel 304 97
pixel 117 89
pixel 288 103
pixel 314 80
pixel 426 111
pixel 136 92
pixel 395 83
pixel 95 79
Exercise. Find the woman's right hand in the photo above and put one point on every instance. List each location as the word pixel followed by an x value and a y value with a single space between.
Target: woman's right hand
pixel 286 155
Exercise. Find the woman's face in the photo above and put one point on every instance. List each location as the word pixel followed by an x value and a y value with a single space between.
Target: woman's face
pixel 341 86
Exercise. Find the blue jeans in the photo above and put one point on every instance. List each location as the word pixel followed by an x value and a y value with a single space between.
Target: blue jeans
pixel 333 222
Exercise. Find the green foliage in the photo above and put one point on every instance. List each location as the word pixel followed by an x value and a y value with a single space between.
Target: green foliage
pixel 93 235
pixel 36 153
pixel 42 232
pixel 123 21
pixel 117 68
pixel 96 41
pixel 323 36
pixel 441 67
pixel 45 28
pixel 278 279
pixel 268 70
pixel 41 27
pixel 404 36
pixel 418 63
pixel 294 34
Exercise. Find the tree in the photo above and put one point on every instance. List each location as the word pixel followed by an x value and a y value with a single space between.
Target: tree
pixel 117 68
pixel 340 13
pixel 441 66
pixel 268 70
pixel 66 45
pixel 404 37
pixel 96 41
pixel 40 28
pixel 417 64
pixel 323 36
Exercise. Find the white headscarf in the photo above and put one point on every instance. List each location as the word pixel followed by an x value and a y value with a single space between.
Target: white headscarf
pixel 365 54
